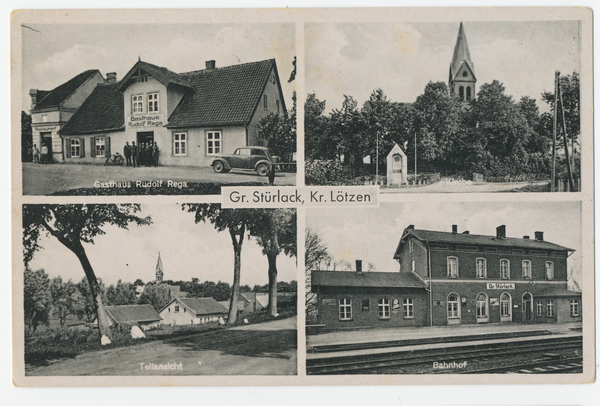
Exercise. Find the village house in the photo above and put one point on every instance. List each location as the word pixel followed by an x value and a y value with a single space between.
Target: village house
pixel 192 116
pixel 448 278
pixel 143 316
pixel 198 310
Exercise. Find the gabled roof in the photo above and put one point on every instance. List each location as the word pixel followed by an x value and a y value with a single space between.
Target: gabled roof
pixel 367 279
pixel 103 110
pixel 555 291
pixel 59 94
pixel 163 75
pixel 223 96
pixel 263 299
pixel 474 239
pixel 461 54
pixel 131 314
pixel 200 305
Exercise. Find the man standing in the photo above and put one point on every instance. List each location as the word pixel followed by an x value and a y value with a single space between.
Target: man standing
pixel 155 153
pixel 44 154
pixel 134 154
pixel 36 154
pixel 127 153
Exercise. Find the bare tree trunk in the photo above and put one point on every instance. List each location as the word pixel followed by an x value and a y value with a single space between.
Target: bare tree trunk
pixel 272 258
pixel 237 266
pixel 104 322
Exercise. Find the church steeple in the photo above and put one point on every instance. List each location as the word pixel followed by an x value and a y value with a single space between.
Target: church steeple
pixel 159 269
pixel 462 69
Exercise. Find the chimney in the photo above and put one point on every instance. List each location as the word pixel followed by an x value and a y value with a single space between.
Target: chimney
pixel 539 236
pixel 359 266
pixel 33 93
pixel 525 237
pixel 466 232
pixel 454 229
pixel 111 77
pixel 501 231
pixel 411 227
pixel 210 65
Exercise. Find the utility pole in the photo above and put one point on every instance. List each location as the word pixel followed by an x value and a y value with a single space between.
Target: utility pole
pixel 556 76
pixel 415 157
pixel 566 142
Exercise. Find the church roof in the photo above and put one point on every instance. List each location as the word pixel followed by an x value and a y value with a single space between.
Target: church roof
pixel 461 53
pixel 159 265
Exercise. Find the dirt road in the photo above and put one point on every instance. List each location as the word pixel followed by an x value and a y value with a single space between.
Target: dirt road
pixel 49 179
pixel 260 349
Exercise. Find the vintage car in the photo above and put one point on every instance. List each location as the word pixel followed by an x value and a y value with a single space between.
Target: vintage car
pixel 249 158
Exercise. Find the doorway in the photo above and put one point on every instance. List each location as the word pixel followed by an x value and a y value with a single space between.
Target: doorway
pixel 47 142
pixel 145 137
pixel 527 308
pixel 505 307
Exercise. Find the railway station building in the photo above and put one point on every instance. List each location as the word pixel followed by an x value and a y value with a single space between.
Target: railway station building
pixel 192 116
pixel 451 278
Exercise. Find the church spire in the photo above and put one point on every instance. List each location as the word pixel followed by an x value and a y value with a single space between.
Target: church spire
pixel 159 269
pixel 462 69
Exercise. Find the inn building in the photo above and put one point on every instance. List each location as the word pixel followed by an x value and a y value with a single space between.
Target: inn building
pixel 451 278
pixel 192 116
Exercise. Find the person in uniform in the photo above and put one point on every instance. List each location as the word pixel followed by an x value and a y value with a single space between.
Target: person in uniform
pixel 127 153
pixel 155 154
pixel 143 154
pixel 36 154
pixel 44 154
pixel 134 154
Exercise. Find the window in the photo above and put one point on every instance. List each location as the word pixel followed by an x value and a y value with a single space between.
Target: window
pixel 384 308
pixel 468 91
pixel 412 264
pixel 345 309
pixel 213 142
pixel 265 102
pixel 176 309
pixel 44 118
pixel 100 147
pixel 505 305
pixel 153 103
pixel 277 105
pixel 481 268
pixel 366 304
pixel 137 103
pixel 464 74
pixel 179 144
pixel 452 306
pixel 461 93
pixel 452 267
pixel 408 306
pixel 481 303
pixel 549 270
pixel 526 269
pixel 410 245
pixel 549 308
pixel 75 148
pixel 504 269
pixel 539 308
pixel 574 307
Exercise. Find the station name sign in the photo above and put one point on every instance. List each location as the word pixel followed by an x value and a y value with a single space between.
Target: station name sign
pixel 154 120
pixel 494 285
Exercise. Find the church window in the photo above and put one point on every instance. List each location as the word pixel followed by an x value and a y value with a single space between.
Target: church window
pixel 468 92
pixel 465 74
pixel 461 93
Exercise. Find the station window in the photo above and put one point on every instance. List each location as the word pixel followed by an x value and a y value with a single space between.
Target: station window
pixel 453 306
pixel 100 147
pixel 505 305
pixel 366 304
pixel 549 308
pixel 526 269
pixel 481 302
pixel 549 270
pixel 213 142
pixel 180 144
pixel 504 269
pixel 539 308
pixel 137 103
pixel 345 309
pixel 384 308
pixel 574 307
pixel 75 148
pixel 481 266
pixel 409 309
pixel 452 267
pixel 152 102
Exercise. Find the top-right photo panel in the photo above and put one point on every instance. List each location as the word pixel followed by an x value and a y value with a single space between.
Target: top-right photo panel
pixel 444 107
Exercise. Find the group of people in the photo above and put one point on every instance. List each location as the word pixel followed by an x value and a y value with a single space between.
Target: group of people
pixel 40 157
pixel 146 154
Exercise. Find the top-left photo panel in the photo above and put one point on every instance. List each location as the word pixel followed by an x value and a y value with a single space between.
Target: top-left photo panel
pixel 156 109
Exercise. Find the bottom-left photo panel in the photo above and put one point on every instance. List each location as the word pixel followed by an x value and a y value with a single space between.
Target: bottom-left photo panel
pixel 157 289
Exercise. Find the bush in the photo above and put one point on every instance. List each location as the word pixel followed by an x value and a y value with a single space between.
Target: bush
pixel 320 172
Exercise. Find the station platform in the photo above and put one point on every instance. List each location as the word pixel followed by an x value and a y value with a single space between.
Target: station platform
pixel 480 334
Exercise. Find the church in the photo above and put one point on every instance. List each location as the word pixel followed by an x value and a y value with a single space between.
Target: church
pixel 462 80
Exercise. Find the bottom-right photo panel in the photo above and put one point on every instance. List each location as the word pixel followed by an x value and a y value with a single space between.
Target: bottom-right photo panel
pixel 445 288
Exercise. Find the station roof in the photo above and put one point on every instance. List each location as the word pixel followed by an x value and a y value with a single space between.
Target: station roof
pixel 367 279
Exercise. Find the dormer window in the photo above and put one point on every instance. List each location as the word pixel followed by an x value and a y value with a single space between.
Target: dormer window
pixel 137 103
pixel 153 103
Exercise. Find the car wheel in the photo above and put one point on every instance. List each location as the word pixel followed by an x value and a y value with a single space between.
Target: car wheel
pixel 218 167
pixel 262 169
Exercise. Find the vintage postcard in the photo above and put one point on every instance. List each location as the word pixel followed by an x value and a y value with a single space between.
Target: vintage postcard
pixel 428 174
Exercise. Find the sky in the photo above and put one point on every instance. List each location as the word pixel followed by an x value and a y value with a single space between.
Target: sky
pixel 53 54
pixel 186 249
pixel 354 59
pixel 373 234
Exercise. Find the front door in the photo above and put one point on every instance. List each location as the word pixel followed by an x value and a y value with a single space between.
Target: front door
pixel 47 141
pixel 527 308
pixel 453 309
pixel 145 137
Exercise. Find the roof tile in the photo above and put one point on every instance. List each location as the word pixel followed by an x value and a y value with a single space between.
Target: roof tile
pixel 59 94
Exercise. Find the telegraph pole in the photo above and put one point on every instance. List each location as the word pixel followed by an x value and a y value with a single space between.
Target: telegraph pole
pixel 556 76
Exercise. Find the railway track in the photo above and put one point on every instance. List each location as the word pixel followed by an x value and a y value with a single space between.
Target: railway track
pixel 371 363
pixel 543 366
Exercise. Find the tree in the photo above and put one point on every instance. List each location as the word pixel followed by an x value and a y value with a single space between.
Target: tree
pixel 26 138
pixel 316 258
pixel 121 294
pixel 37 297
pixel 72 225
pixel 275 231
pixel 65 299
pixel 155 294
pixel 570 90
pixel 279 129
pixel 86 309
pixel 235 222
pixel 318 144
